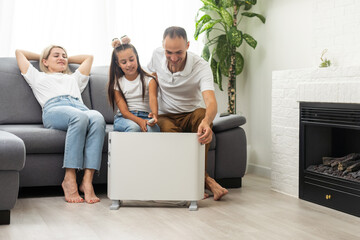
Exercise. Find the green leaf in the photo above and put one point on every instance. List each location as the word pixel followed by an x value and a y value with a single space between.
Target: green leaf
pixel 208 33
pixel 197 30
pixel 251 14
pixel 199 24
pixel 247 4
pixel 235 37
pixel 215 69
pixel 226 3
pixel 219 77
pixel 209 3
pixel 209 26
pixel 239 3
pixel 222 48
pixel 228 19
pixel 225 65
pixel 247 7
pixel 250 40
pixel 239 64
pixel 206 53
pixel 209 8
pixel 252 2
pixel 213 66
pixel 204 19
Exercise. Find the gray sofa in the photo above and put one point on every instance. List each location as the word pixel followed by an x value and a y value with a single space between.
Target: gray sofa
pixel 21 116
pixel 12 160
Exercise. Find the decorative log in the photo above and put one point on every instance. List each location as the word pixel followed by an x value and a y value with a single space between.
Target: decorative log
pixel 327 160
pixel 352 168
pixel 346 167
pixel 333 162
pixel 342 166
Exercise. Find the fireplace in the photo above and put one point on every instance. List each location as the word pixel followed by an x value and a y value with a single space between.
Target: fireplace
pixel 329 134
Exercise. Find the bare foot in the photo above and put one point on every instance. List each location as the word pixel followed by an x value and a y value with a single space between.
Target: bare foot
pixel 215 188
pixel 89 194
pixel 206 195
pixel 71 192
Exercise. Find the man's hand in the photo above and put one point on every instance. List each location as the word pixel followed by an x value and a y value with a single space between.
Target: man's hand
pixel 204 133
pixel 204 130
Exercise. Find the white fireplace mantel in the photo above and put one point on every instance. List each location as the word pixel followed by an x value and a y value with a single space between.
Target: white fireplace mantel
pixel 289 87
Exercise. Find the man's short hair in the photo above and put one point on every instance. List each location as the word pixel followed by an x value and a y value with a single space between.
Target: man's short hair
pixel 174 31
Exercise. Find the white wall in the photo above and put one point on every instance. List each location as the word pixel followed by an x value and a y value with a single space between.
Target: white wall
pixel 336 27
pixel 284 42
pixel 294 36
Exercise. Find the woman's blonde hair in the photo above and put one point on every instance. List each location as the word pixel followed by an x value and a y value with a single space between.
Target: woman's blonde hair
pixel 45 55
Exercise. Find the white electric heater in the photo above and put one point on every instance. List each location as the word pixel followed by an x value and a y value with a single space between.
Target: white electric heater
pixel 155 166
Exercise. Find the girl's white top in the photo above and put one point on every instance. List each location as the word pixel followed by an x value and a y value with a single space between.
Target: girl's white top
pixel 132 91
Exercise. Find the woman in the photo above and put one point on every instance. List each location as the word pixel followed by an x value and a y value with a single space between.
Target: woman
pixel 58 91
pixel 132 90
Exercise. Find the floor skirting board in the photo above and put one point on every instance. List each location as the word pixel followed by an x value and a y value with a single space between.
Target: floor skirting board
pixel 258 170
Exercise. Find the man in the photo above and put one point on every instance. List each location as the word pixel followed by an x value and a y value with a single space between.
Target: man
pixel 185 79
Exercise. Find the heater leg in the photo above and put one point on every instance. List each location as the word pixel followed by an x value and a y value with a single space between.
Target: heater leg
pixel 115 205
pixel 193 206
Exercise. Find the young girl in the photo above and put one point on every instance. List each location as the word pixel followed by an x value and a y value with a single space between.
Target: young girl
pixel 58 91
pixel 132 90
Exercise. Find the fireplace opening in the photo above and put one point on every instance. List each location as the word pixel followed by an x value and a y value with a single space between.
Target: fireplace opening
pixel 329 161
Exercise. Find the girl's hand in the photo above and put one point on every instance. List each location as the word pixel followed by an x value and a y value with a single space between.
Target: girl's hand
pixel 152 116
pixel 143 125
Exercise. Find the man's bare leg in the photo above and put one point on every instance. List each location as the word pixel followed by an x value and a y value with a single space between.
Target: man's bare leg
pixel 70 187
pixel 87 187
pixel 215 188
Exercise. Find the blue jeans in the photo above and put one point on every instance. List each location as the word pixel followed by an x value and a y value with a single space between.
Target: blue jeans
pixel 122 124
pixel 85 131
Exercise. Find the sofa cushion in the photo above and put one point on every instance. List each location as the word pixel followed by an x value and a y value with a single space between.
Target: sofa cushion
pixel 98 92
pixel 38 139
pixel 18 104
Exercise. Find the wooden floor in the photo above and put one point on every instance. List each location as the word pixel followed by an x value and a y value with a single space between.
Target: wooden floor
pixel 252 212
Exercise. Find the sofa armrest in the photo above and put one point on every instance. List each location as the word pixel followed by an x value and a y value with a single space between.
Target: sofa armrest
pixel 12 152
pixel 227 122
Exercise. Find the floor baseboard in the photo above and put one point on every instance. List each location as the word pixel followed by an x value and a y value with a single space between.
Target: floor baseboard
pixel 259 170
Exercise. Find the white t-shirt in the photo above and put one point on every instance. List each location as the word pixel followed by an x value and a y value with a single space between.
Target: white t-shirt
pixel 132 91
pixel 180 92
pixel 48 85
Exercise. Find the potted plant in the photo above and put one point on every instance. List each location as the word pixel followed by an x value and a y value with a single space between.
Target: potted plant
pixel 224 16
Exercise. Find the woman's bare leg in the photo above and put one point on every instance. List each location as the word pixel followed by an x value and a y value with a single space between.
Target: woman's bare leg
pixel 70 187
pixel 87 187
